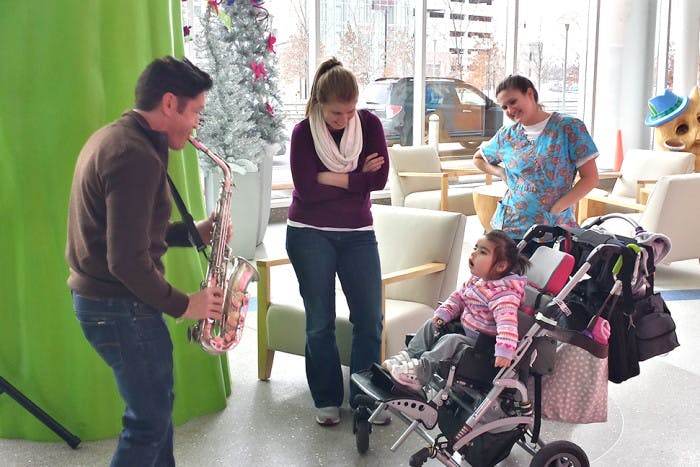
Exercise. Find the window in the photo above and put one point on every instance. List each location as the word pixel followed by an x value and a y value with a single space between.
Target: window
pixel 551 52
pixel 469 96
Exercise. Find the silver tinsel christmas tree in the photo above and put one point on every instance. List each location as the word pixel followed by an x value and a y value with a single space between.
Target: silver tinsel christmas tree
pixel 242 117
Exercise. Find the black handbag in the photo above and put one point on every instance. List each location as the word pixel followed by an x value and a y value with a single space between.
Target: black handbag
pixel 623 359
pixel 654 327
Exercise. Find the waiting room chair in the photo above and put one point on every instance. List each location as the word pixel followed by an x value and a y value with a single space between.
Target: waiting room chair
pixel 417 180
pixel 670 210
pixel 640 169
pixel 420 252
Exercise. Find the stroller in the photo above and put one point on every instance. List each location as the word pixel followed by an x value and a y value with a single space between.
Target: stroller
pixel 482 411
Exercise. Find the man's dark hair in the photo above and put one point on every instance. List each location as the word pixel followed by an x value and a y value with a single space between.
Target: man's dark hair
pixel 169 74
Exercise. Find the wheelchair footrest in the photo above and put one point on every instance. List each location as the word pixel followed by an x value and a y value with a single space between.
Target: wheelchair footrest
pixel 377 382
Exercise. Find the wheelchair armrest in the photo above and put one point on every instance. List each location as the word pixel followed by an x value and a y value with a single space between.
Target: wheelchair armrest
pixel 473 365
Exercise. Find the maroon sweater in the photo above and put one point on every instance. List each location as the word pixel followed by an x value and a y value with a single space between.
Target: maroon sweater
pixel 118 218
pixel 329 206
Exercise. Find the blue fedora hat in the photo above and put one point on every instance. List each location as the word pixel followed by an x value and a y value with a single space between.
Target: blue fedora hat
pixel 665 107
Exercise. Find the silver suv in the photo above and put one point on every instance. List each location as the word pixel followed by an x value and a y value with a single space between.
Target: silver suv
pixel 466 114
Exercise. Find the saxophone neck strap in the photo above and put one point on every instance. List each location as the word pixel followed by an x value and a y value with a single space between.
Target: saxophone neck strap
pixel 187 219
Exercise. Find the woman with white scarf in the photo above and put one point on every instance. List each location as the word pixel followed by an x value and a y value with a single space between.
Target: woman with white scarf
pixel 338 156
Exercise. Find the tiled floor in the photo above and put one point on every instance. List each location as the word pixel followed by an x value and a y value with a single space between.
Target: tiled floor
pixel 653 419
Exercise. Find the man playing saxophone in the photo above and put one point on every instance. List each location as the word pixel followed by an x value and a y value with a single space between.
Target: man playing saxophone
pixel 118 230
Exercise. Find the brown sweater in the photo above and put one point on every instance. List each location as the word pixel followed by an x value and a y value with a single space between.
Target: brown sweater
pixel 118 217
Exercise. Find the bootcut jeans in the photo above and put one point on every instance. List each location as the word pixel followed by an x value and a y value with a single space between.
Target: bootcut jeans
pixel 317 256
pixel 133 339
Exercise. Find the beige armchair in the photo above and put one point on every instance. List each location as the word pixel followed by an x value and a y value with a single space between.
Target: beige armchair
pixel 640 169
pixel 420 251
pixel 670 210
pixel 417 180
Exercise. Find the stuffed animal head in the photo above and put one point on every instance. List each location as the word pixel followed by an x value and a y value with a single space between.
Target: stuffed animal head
pixel 680 132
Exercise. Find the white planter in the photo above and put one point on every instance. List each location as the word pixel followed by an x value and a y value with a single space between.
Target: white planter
pixel 250 205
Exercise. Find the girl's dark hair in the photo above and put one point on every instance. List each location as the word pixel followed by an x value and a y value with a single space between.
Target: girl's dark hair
pixel 505 249
pixel 168 74
pixel 332 82
pixel 518 82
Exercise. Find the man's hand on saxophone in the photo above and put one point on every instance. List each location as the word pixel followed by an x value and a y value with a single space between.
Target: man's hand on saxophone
pixel 207 303
pixel 206 227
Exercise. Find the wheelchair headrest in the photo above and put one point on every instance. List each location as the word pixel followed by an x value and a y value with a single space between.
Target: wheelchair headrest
pixel 549 270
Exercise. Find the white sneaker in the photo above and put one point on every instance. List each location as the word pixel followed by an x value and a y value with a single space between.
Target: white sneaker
pixel 328 416
pixel 405 375
pixel 396 360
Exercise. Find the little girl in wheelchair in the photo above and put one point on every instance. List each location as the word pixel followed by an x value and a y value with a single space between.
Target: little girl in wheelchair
pixel 487 303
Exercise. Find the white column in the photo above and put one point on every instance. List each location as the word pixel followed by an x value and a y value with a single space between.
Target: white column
pixel 419 72
pixel 662 46
pixel 624 81
pixel 685 30
pixel 314 24
pixel 512 19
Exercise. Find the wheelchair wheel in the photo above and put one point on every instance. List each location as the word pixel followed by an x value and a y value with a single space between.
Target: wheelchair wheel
pixel 361 428
pixel 560 453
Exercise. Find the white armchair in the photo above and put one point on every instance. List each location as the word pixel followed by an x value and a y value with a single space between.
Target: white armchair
pixel 420 251
pixel 640 168
pixel 417 180
pixel 670 210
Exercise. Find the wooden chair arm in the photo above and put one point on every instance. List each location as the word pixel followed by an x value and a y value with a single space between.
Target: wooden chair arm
pixel 424 174
pixel 265 357
pixel 460 172
pixel 410 273
pixel 444 183
pixel 642 196
pixel 611 174
pixel 626 204
pixel 597 195
pixel 593 204
pixel 646 181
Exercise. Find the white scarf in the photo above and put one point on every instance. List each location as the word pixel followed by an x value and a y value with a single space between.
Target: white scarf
pixel 341 159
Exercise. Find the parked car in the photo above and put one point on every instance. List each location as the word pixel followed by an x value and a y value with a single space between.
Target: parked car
pixel 466 114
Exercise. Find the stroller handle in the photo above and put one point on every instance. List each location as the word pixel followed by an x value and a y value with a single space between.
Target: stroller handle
pixel 539 231
pixel 598 220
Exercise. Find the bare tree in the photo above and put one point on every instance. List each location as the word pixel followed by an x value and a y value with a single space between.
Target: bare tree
pixel 400 54
pixel 294 59
pixel 460 27
pixel 535 62
pixel 486 67
pixel 353 52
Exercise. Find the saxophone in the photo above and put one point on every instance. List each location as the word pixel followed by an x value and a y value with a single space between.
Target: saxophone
pixel 233 275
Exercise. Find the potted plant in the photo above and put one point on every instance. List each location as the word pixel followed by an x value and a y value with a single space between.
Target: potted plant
pixel 241 121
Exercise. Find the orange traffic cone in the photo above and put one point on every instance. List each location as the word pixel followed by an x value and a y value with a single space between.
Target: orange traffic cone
pixel 619 154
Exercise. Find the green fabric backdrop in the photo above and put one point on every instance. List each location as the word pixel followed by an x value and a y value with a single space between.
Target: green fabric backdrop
pixel 67 68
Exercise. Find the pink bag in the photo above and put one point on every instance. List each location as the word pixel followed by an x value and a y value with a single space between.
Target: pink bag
pixel 577 391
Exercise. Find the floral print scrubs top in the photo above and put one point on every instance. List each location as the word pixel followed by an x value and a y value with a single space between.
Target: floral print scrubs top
pixel 538 172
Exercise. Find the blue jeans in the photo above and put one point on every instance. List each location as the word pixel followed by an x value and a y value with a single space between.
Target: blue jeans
pixel 133 340
pixel 317 256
